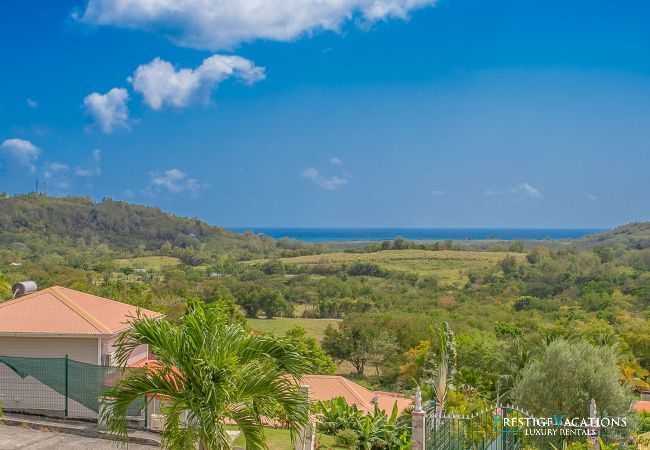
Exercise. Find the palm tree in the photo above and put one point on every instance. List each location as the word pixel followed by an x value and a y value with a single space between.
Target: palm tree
pixel 441 364
pixel 209 372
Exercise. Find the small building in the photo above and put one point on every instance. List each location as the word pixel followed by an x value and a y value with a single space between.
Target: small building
pixel 38 329
pixel 57 321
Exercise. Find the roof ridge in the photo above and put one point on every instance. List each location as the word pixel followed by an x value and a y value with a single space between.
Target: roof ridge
pixel 349 386
pixel 105 299
pixel 79 310
pixel 13 301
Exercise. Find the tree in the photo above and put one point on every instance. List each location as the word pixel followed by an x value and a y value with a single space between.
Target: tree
pixel 517 246
pixel 214 371
pixel 320 363
pixel 440 367
pixel 567 376
pixel 350 342
pixel 382 347
pixel 273 303
pixel 508 265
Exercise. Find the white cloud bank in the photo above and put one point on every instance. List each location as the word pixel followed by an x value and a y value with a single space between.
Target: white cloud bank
pixel 22 151
pixel 219 24
pixel 330 183
pixel 109 110
pixel 161 84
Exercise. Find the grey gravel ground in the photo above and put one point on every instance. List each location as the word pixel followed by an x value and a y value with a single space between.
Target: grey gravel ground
pixel 15 438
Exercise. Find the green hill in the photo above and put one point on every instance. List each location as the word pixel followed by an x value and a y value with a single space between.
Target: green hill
pixel 635 235
pixel 39 223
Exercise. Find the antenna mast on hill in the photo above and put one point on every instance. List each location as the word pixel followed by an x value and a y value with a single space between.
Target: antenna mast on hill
pixel 36 186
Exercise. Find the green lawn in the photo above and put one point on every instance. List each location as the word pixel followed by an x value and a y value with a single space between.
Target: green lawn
pixel 314 327
pixel 280 440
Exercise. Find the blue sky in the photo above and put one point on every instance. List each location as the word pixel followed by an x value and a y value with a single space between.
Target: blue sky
pixel 417 113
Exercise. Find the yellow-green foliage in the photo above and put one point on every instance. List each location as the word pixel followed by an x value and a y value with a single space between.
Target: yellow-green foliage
pixel 447 266
pixel 149 262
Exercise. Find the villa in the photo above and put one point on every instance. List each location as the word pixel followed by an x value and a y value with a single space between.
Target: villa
pixel 57 321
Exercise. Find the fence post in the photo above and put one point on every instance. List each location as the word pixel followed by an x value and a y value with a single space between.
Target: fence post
pixel 418 423
pixel 594 430
pixel 66 385
pixel 306 440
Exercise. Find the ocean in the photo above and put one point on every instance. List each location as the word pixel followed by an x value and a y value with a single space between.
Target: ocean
pixel 420 234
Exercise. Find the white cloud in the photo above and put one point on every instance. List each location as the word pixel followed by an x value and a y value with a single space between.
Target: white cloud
pixel 437 192
pixel 219 24
pixel 528 190
pixel 591 197
pixel 91 168
pixel 32 103
pixel 162 84
pixel 330 183
pixel 336 161
pixel 52 168
pixel 524 189
pixel 109 110
pixel 22 151
pixel 173 181
pixel 55 167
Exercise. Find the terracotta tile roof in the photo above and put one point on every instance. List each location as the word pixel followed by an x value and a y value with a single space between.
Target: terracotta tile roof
pixel 62 311
pixel 327 387
pixel 642 405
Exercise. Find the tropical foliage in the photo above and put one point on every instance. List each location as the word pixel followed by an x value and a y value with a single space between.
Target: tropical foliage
pixel 209 372
pixel 368 432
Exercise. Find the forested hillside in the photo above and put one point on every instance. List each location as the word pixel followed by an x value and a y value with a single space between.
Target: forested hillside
pixel 634 235
pixel 40 222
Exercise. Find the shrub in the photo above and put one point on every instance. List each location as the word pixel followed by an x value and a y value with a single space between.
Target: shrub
pixel 567 375
pixel 366 269
pixel 347 438
pixel 371 431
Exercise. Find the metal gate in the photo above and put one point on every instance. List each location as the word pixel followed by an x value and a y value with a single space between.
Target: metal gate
pixel 495 428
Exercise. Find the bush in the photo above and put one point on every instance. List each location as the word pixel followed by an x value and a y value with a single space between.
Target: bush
pixel 347 439
pixel 376 431
pixel 366 269
pixel 644 417
pixel 567 376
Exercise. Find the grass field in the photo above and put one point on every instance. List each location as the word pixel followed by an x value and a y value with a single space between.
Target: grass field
pixel 280 440
pixel 449 267
pixel 314 327
pixel 149 262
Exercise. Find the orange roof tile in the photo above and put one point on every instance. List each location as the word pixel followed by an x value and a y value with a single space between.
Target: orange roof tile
pixel 62 311
pixel 642 405
pixel 327 387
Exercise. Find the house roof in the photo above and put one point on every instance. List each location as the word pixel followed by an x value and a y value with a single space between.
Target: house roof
pixel 62 311
pixel 642 405
pixel 327 387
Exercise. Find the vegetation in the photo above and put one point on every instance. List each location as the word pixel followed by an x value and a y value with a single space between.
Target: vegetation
pixel 354 430
pixel 368 306
pixel 209 372
pixel 567 376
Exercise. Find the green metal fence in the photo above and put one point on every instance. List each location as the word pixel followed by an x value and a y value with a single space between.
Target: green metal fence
pixel 480 431
pixel 58 386
pixel 508 427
